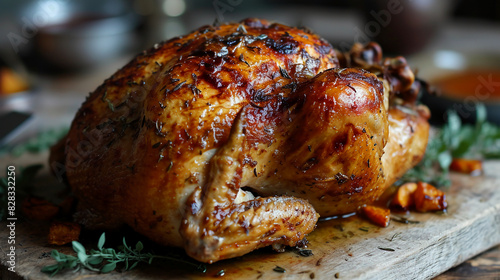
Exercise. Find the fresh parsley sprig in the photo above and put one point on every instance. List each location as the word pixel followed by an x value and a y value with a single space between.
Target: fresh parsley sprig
pixel 105 260
pixel 456 140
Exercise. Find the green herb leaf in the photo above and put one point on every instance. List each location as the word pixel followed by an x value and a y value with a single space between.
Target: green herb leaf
pixel 50 268
pixel 139 246
pixel 95 260
pixel 78 247
pixel 82 256
pixel 133 265
pixel 55 254
pixel 102 239
pixel 108 267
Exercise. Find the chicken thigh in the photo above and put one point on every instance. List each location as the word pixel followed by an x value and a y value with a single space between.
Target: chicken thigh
pixel 240 136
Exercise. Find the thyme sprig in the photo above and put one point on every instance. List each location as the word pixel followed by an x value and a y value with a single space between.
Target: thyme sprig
pixel 105 260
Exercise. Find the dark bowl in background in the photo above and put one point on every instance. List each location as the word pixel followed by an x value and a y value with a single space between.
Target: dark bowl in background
pixel 75 35
pixel 404 27
pixel 85 40
pixel 480 68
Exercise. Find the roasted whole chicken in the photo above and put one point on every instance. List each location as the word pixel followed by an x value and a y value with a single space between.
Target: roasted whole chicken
pixel 240 136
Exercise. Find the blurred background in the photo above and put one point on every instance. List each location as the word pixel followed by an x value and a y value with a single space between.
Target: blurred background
pixel 53 52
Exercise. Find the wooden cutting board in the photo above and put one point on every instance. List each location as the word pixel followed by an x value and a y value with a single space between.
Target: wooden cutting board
pixel 342 248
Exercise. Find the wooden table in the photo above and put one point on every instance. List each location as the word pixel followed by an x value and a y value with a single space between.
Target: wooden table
pixel 343 248
pixel 483 266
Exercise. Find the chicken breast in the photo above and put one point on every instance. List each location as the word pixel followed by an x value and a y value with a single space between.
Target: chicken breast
pixel 240 136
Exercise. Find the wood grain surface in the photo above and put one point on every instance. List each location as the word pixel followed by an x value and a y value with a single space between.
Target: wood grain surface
pixel 348 248
pixel 485 266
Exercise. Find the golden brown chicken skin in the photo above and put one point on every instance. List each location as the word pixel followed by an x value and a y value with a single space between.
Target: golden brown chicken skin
pixel 239 136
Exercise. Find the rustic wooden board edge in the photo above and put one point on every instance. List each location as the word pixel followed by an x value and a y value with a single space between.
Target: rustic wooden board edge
pixel 445 252
pixel 473 219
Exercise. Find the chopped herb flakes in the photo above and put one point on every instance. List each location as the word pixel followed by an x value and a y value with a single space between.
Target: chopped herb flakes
pixel 242 29
pixel 403 220
pixel 284 73
pixel 177 87
pixel 279 269
pixel 305 252
pixel 386 249
pixel 261 37
pixel 364 229
pixel 104 98
pixel 394 236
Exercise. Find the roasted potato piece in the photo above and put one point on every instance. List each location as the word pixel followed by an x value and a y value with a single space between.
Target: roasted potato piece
pixel 467 166
pixel 428 198
pixel 377 215
pixel 63 232
pixel 39 209
pixel 404 197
